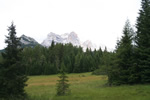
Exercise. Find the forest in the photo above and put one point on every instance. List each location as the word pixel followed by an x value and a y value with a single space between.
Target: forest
pixel 128 64
pixel 46 61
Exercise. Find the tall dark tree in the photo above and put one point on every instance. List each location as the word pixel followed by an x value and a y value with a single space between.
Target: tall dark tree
pixel 12 79
pixel 143 42
pixel 124 60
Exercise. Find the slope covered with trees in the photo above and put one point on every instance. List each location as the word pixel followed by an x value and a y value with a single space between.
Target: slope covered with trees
pixel 45 61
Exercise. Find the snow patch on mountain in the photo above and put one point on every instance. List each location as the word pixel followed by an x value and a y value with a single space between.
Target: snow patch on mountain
pixel 27 40
pixel 88 44
pixel 23 41
pixel 71 37
pixel 52 37
pixel 64 38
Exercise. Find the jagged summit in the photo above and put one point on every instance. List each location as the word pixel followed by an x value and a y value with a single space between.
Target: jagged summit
pixel 74 39
pixel 52 37
pixel 64 38
pixel 88 44
pixel 71 37
pixel 28 41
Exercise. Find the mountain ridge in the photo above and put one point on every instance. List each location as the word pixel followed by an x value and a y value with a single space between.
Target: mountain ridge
pixel 27 41
pixel 65 38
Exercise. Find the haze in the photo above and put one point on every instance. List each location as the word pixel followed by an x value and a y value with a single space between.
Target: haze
pixel 100 21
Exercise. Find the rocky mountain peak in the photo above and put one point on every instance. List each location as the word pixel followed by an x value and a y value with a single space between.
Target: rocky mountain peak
pixel 71 37
pixel 64 38
pixel 27 41
pixel 88 44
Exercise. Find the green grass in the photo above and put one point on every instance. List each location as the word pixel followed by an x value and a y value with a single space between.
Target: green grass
pixel 84 87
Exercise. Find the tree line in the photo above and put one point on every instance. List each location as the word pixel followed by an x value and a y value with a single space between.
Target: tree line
pixel 45 61
pixel 129 63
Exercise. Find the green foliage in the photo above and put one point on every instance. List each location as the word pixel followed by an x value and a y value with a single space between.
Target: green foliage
pixel 12 79
pixel 62 85
pixel 120 71
pixel 77 68
pixel 142 63
pixel 1 58
pixel 100 71
pixel 104 60
pixel 45 61
pixel 131 64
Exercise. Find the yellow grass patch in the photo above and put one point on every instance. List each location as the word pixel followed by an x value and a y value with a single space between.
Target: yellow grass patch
pixel 73 79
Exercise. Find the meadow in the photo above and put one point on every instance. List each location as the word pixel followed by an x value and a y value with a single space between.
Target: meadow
pixel 84 86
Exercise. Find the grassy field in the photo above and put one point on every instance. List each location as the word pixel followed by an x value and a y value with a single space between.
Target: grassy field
pixel 84 87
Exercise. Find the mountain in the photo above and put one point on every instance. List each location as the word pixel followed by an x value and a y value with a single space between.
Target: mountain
pixel 71 37
pixel 28 41
pixel 2 50
pixel 64 38
pixel 51 37
pixel 88 44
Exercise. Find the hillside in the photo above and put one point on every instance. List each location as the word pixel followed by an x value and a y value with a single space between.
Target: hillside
pixel 28 41
pixel 2 50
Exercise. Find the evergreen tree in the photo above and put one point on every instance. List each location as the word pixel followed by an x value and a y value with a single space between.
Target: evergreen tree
pixel 77 64
pixel 62 86
pixel 12 78
pixel 143 43
pixel 1 58
pixel 124 52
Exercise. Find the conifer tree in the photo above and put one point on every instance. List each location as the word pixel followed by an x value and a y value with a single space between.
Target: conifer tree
pixel 62 85
pixel 124 52
pixel 143 43
pixel 12 78
pixel 77 64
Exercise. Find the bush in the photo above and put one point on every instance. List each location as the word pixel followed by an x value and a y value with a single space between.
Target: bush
pixel 99 72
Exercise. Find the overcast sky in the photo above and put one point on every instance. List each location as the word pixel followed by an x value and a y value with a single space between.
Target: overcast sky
pixel 100 21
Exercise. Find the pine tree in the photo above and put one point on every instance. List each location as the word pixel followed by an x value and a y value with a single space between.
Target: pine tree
pixel 143 43
pixel 77 64
pixel 62 85
pixel 12 79
pixel 124 53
